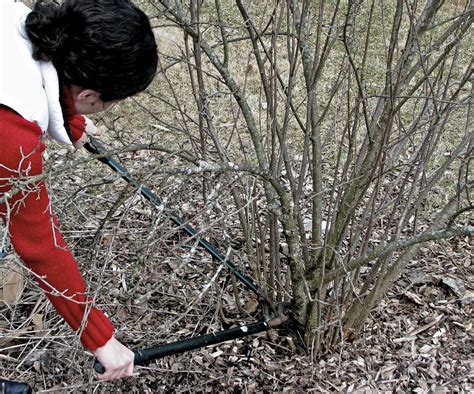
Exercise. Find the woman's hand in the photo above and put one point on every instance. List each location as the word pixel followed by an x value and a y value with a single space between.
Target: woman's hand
pixel 116 359
pixel 86 127
pixel 81 141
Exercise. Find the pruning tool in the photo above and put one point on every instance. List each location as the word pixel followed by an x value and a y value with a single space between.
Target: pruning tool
pixel 144 356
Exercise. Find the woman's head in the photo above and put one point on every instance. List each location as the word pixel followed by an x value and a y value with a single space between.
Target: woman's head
pixel 103 45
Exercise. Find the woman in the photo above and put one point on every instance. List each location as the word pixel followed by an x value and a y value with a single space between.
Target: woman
pixel 58 62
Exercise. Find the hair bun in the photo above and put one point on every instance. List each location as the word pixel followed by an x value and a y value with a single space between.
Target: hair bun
pixel 45 30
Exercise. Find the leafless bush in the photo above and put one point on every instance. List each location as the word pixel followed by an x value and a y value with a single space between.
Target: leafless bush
pixel 354 121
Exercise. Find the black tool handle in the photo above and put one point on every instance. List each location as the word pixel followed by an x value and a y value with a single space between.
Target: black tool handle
pixel 143 356
pixel 10 387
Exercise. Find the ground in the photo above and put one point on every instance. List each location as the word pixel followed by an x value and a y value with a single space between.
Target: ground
pixel 419 339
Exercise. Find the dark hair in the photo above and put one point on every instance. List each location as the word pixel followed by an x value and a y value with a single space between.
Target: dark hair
pixel 104 45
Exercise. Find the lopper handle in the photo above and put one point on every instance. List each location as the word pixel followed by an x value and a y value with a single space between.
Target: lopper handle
pixel 143 356
pixel 98 367
pixel 10 387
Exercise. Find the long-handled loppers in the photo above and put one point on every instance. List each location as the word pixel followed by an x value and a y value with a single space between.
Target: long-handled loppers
pixel 143 356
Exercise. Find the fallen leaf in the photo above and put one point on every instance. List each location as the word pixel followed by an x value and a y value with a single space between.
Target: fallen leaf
pixel 11 283
pixel 468 296
pixel 216 353
pixel 37 320
pixel 426 326
pixel 413 297
pixel 251 306
pixel 454 285
pixel 122 312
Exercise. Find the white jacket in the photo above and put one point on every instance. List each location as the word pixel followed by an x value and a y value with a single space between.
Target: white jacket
pixel 27 86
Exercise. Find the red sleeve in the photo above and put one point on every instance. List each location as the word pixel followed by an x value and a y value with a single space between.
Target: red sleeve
pixel 77 126
pixel 76 122
pixel 36 238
